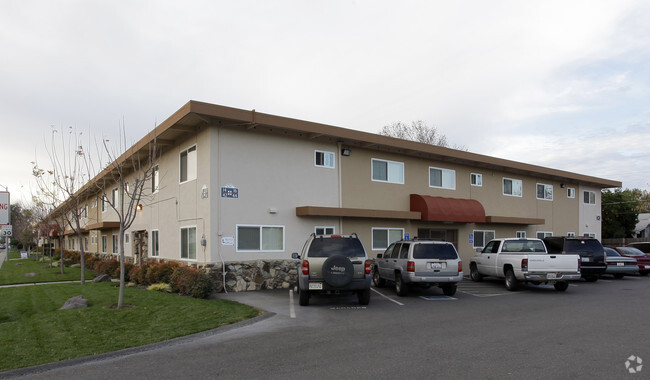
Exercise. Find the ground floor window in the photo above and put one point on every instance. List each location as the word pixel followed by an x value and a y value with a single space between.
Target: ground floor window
pixel 543 234
pixel 260 238
pixel 104 243
pixel 188 243
pixel 482 237
pixel 154 243
pixel 115 243
pixel 383 237
pixel 570 234
pixel 323 230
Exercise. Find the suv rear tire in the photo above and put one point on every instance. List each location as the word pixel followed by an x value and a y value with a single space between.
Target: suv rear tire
pixel 400 287
pixel 363 296
pixel 449 290
pixel 304 297
pixel 379 282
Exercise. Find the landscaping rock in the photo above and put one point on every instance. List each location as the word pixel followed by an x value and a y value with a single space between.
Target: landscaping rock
pixel 78 302
pixel 102 278
pixel 31 274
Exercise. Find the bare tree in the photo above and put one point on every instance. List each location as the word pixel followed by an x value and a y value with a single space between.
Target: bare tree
pixel 418 131
pixel 61 184
pixel 130 172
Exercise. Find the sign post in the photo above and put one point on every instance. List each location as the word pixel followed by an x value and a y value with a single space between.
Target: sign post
pixel 5 219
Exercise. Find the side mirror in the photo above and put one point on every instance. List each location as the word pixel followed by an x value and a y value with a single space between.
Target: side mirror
pixel 379 255
pixel 295 255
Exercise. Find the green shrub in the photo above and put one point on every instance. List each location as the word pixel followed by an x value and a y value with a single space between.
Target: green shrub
pixel 138 274
pixel 192 282
pixel 160 272
pixel 161 287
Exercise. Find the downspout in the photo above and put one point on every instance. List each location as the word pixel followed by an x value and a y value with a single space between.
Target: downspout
pixel 339 146
pixel 218 195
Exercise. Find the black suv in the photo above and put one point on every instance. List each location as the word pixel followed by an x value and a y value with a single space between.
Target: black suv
pixel 333 264
pixel 592 253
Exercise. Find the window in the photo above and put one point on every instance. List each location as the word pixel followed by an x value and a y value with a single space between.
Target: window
pixel 476 179
pixel 512 187
pixel 188 164
pixel 544 192
pixel 188 243
pixel 543 234
pixel 589 197
pixel 103 204
pixel 324 230
pixel 104 243
pixel 383 237
pixel 126 238
pixel 155 246
pixel 521 234
pixel 442 178
pixel 589 235
pixel 260 238
pixel 115 243
pixel 324 159
pixel 571 234
pixel 482 237
pixel 570 192
pixel 115 197
pixel 155 179
pixel 86 244
pixel 387 171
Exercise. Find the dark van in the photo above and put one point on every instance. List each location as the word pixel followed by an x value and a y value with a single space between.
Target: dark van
pixel 592 253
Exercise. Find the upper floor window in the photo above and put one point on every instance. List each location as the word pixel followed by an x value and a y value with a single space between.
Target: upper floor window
pixel 543 234
pixel 544 192
pixel 114 197
pixel 512 187
pixel 521 234
pixel 476 179
pixel 324 159
pixel 325 230
pixel 442 178
pixel 570 192
pixel 103 203
pixel 387 171
pixel 188 164
pixel 589 197
pixel 155 179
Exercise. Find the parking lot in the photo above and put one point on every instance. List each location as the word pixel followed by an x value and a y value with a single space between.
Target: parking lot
pixel 484 331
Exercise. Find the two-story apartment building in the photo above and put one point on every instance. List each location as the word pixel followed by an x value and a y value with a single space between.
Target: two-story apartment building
pixel 233 185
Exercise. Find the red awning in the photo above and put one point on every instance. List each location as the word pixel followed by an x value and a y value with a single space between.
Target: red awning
pixel 439 209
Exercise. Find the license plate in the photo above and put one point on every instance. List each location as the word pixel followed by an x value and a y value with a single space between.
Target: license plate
pixel 620 264
pixel 315 286
pixel 647 267
pixel 437 265
pixel 551 276
pixel 585 259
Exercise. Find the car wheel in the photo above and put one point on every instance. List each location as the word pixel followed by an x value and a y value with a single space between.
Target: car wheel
pixel 561 286
pixel 400 287
pixel 474 274
pixel 363 296
pixel 449 290
pixel 618 276
pixel 511 281
pixel 591 278
pixel 379 282
pixel 338 271
pixel 304 297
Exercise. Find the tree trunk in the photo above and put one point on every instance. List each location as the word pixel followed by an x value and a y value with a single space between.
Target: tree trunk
pixel 120 298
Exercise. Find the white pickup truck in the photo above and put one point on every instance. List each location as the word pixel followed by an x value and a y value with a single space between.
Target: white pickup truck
pixel 524 260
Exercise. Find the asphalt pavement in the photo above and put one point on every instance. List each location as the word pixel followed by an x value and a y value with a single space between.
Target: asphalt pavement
pixel 590 331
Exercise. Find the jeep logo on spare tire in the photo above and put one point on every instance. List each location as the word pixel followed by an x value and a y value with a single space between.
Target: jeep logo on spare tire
pixel 338 271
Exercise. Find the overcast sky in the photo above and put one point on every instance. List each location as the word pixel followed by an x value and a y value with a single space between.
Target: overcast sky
pixel 562 84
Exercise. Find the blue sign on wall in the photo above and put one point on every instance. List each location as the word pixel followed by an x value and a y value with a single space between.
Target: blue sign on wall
pixel 229 192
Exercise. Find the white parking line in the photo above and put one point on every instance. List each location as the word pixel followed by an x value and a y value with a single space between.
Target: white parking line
pixel 292 310
pixel 388 298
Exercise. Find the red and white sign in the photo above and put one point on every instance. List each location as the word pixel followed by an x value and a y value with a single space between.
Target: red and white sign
pixel 5 208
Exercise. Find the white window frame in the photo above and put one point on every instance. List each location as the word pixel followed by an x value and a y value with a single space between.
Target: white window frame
pixel 325 228
pixel 476 179
pixel 389 178
pixel 103 203
pixel 115 242
pixel 261 237
pixel 543 234
pixel 155 243
pixel 545 191
pixel 115 197
pixel 191 164
pixel 585 192
pixel 521 234
pixel 570 192
pixel 513 182
pixel 571 234
pixel 331 163
pixel 180 243
pixel 388 231
pixel 485 241
pixel 589 235
pixel 155 179
pixel 449 174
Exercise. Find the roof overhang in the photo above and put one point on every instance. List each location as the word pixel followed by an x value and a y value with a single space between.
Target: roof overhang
pixel 356 213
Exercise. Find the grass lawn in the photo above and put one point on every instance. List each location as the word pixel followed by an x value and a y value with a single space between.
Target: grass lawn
pixel 13 272
pixel 33 331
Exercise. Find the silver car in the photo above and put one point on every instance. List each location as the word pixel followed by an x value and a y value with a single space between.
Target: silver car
pixel 421 263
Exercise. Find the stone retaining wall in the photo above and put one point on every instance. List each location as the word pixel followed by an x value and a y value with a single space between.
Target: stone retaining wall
pixel 254 275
